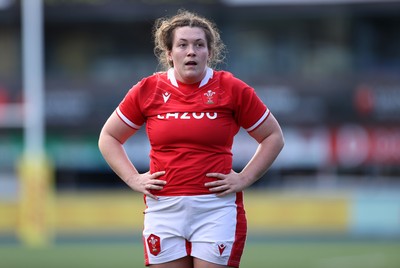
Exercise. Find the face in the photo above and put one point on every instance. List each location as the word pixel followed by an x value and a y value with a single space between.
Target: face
pixel 189 54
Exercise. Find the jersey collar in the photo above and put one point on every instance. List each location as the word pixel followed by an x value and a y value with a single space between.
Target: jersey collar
pixel 207 77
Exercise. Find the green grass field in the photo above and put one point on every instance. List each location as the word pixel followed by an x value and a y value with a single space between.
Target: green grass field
pixel 274 254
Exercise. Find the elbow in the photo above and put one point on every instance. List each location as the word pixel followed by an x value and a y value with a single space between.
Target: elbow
pixel 280 142
pixel 100 142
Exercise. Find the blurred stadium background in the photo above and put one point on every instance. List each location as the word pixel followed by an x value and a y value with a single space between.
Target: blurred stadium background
pixel 328 69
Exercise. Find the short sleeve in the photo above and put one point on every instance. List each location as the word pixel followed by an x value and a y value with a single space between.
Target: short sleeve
pixel 129 110
pixel 251 111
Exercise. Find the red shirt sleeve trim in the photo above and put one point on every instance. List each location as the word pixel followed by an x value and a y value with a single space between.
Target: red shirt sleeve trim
pixel 259 122
pixel 126 120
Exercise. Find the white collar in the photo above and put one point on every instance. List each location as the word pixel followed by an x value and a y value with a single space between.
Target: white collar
pixel 207 77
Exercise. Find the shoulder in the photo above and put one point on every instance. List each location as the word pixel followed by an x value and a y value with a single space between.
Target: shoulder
pixel 147 84
pixel 227 78
pixel 230 83
pixel 152 79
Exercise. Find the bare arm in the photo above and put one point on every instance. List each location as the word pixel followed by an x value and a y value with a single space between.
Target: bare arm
pixel 112 137
pixel 270 138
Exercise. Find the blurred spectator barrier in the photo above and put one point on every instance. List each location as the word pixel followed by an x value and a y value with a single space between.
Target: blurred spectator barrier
pixel 362 214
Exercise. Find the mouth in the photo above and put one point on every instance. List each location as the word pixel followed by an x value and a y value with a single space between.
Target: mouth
pixel 191 63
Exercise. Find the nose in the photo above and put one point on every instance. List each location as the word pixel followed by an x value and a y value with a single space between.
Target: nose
pixel 191 50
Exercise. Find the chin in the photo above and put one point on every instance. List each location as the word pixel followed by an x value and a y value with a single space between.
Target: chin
pixel 193 77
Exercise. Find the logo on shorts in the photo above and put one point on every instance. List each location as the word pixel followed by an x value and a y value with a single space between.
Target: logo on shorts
pixel 154 244
pixel 221 248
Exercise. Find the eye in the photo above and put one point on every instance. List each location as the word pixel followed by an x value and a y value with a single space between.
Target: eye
pixel 182 45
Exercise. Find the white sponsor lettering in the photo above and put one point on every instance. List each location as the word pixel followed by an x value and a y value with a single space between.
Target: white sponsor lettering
pixel 214 116
pixel 187 116
pixel 173 115
pixel 198 116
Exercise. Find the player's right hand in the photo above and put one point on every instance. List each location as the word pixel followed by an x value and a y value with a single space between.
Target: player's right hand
pixel 147 183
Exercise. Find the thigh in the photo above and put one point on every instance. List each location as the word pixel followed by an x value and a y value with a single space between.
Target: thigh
pixel 219 230
pixel 185 262
pixel 197 263
pixel 163 234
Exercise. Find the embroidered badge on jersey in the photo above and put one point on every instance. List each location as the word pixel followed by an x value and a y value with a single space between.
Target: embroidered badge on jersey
pixel 210 97
pixel 154 244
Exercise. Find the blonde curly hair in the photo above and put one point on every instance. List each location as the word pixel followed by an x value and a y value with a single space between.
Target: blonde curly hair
pixel 163 33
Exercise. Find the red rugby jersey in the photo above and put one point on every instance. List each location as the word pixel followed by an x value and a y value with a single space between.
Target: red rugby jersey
pixel 191 127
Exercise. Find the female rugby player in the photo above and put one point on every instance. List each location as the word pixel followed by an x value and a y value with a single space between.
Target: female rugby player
pixel 194 216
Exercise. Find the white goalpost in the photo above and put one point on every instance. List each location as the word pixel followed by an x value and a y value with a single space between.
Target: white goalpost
pixel 33 75
pixel 34 169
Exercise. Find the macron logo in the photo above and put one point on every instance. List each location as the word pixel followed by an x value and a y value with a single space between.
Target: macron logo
pixel 166 96
pixel 221 247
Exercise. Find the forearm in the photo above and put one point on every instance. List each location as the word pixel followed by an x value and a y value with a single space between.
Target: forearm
pixel 265 155
pixel 116 157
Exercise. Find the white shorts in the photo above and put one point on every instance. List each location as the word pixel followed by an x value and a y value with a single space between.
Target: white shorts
pixel 206 227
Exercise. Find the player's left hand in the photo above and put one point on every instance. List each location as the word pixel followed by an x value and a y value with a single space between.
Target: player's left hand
pixel 227 183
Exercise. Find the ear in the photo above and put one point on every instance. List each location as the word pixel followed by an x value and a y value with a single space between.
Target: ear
pixel 209 57
pixel 169 58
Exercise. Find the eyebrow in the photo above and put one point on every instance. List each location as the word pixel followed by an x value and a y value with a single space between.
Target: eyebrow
pixel 199 39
